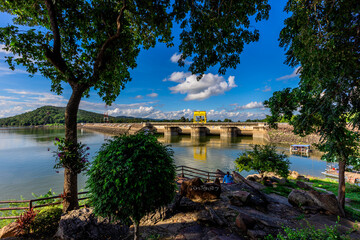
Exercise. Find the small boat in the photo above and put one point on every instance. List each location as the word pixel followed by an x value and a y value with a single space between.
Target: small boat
pixel 333 172
pixel 300 149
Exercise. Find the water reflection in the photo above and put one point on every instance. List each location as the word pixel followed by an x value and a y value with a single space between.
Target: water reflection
pixel 26 162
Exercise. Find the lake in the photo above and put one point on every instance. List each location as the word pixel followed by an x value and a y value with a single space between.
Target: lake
pixel 26 158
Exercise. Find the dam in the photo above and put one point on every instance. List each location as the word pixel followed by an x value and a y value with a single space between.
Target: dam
pixel 222 129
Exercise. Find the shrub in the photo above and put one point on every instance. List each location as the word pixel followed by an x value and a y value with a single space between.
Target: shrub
pixel 130 177
pixel 25 221
pixel 46 221
pixel 263 159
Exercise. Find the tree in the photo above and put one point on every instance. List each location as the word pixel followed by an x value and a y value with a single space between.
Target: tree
pixel 93 44
pixel 263 159
pixel 323 37
pixel 130 177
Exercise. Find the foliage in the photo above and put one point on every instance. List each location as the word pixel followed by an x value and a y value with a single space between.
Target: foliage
pixel 322 36
pixel 50 193
pixel 310 233
pixel 131 176
pixel 70 155
pixel 94 44
pixel 25 221
pixel 263 159
pixel 46 221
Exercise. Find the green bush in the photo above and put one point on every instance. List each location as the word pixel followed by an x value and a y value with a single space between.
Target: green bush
pixel 130 177
pixel 46 221
pixel 263 159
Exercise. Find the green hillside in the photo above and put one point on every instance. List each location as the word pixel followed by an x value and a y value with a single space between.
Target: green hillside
pixel 56 115
pixel 49 115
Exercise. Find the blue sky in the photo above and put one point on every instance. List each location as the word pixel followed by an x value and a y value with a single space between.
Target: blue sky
pixel 161 89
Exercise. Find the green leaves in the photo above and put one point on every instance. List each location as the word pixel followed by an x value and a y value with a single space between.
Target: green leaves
pixel 263 159
pixel 128 172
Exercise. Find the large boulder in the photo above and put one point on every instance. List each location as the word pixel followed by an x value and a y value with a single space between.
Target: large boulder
pixel 195 189
pixel 239 198
pixel 244 222
pixel 312 198
pixel 9 230
pixel 83 224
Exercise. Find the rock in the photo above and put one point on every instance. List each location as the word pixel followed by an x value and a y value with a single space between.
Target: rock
pixel 239 178
pixel 300 198
pixel 244 222
pixel 326 201
pixel 303 185
pixel 254 178
pixel 256 234
pixel 301 177
pixel 83 224
pixel 239 198
pixel 9 230
pixel 280 180
pixel 293 174
pixel 312 198
pixel 195 189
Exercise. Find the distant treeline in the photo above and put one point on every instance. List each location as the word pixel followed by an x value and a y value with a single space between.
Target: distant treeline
pixel 49 115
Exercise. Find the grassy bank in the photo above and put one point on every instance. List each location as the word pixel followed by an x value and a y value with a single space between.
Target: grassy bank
pixel 352 207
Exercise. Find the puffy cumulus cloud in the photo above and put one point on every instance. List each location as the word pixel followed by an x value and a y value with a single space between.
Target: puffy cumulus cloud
pixel 175 57
pixel 153 95
pixel 294 74
pixel 178 77
pixel 153 113
pixel 209 85
pixel 249 106
pixel 234 116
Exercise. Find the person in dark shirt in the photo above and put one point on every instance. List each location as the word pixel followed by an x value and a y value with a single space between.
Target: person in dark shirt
pixel 228 178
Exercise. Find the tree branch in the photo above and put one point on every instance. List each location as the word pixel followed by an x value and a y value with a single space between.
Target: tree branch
pixel 54 26
pixel 54 55
pixel 100 56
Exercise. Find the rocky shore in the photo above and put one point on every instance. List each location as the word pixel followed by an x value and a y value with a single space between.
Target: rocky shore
pixel 221 212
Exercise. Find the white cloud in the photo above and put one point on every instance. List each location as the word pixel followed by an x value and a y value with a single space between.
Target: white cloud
pixel 209 85
pixel 175 58
pixel 153 95
pixel 250 105
pixel 292 75
pixel 266 89
pixel 178 77
pixel 2 50
pixel 138 97
pixel 7 71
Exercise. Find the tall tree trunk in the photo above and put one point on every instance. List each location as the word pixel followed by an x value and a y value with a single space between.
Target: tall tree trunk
pixel 341 188
pixel 70 176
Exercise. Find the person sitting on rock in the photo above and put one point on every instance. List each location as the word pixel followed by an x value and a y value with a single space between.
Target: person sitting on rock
pixel 228 179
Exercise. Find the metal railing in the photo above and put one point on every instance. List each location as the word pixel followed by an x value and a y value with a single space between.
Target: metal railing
pixel 186 171
pixel 31 204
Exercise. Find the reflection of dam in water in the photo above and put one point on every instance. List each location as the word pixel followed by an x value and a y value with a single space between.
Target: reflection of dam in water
pixel 213 152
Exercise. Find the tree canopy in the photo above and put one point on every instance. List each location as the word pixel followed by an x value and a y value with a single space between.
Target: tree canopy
pixel 323 37
pixel 92 44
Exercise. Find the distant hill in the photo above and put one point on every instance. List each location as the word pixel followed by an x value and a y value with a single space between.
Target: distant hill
pixel 56 115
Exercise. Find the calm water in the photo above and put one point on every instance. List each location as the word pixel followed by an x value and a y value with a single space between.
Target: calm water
pixel 26 158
